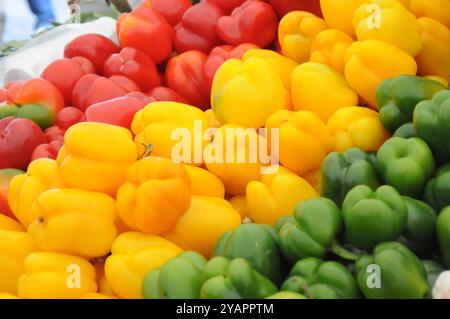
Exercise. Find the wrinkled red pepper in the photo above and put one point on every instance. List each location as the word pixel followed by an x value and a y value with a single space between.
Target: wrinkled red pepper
pixel 172 10
pixel 146 30
pixel 94 47
pixel 135 65
pixel 184 74
pixel 282 7
pixel 254 22
pixel 197 29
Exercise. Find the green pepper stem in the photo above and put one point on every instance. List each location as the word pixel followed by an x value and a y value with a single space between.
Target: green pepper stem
pixel 343 252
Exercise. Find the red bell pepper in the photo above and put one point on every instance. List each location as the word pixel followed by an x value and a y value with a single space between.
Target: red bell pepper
pixel 65 73
pixel 91 89
pixel 18 139
pixel 119 111
pixel 3 95
pixel 69 116
pixel 221 54
pixel 228 5
pixel 94 47
pixel 172 10
pixel 6 175
pixel 254 22
pixel 49 150
pixel 135 65
pixel 184 74
pixel 162 93
pixel 146 30
pixel 282 7
pixel 54 133
pixel 197 30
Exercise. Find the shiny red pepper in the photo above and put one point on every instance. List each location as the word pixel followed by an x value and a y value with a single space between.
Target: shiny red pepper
pixel 94 47
pixel 145 29
pixel 18 139
pixel 161 93
pixel 69 116
pixel 184 74
pixel 54 133
pixel 197 29
pixel 254 22
pixel 49 150
pixel 135 65
pixel 65 73
pixel 172 10
pixel 228 5
pixel 282 7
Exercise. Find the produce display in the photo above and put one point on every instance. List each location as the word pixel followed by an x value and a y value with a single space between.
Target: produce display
pixel 234 149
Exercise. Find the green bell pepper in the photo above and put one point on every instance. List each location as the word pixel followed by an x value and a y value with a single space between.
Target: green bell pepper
pixel 372 217
pixel 397 98
pixel 256 243
pixel 235 279
pixel 311 231
pixel 321 280
pixel 420 232
pixel 8 110
pixel 179 278
pixel 406 164
pixel 443 233
pixel 431 120
pixel 391 272
pixel 406 131
pixel 41 115
pixel 340 172
pixel 437 191
pixel 286 295
pixel 433 270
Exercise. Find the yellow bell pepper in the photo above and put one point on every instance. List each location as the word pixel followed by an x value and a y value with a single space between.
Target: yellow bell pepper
pixel 320 89
pixel 434 58
pixel 368 63
pixel 276 195
pixel 204 223
pixel 312 177
pixel 235 166
pixel 15 246
pixel 304 139
pixel 104 287
pixel 7 223
pixel 239 203
pixel 204 183
pixel 24 189
pixel 56 276
pixel 155 195
pixel 329 47
pixel 439 79
pixel 356 126
pixel 212 119
pixel 96 156
pixel 296 32
pixel 247 92
pixel 74 221
pixel 158 123
pixel 434 9
pixel 133 255
pixel 338 14
pixel 7 296
pixel 390 22
pixel 96 295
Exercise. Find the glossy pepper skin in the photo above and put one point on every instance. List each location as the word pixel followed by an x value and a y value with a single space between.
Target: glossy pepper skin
pixel 296 31
pixel 372 217
pixel 155 195
pixel 282 7
pixel 200 177
pixel 402 274
pixel 39 114
pixel 355 126
pixel 135 65
pixel 258 245
pixel 197 29
pixel 443 234
pixel 18 139
pixel 434 9
pixel 94 47
pixel 6 175
pixel 340 172
pixel 437 189
pixel 172 11
pixel 179 278
pixel 254 22
pixel 253 77
pixel 311 230
pixel 234 279
pixel 397 98
pixel 88 161
pixel 63 214
pixel 429 120
pixel 338 14
pixel 56 276
pixel 201 226
pixel 267 199
pixel 145 29
pixel 368 63
pixel 133 254
pixel 406 164
pixel 420 232
pixel 320 89
pixel 24 189
pixel 318 279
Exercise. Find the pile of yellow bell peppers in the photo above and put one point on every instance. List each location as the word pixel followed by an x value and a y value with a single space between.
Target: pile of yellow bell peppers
pixel 115 204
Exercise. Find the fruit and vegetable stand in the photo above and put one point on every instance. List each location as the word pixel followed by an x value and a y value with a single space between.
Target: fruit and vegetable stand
pixel 284 149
